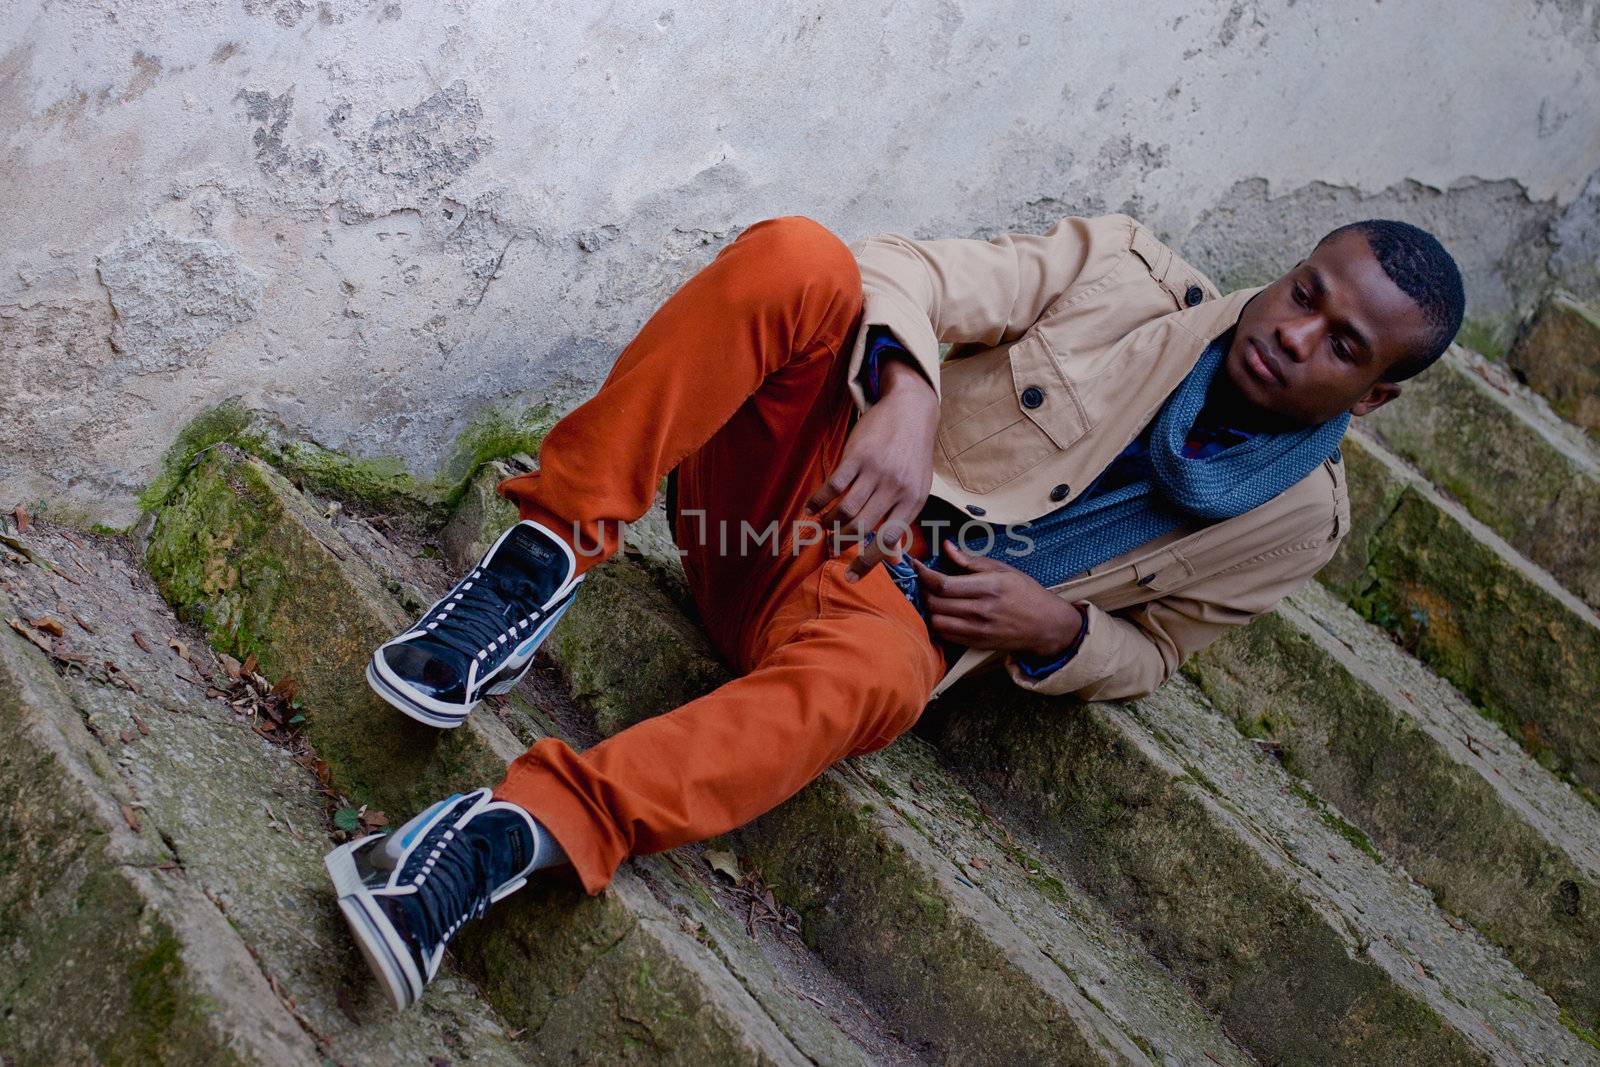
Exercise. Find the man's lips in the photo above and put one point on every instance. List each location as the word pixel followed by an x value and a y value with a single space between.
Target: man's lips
pixel 1262 366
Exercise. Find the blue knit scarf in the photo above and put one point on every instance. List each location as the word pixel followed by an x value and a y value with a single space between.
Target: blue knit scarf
pixel 1169 489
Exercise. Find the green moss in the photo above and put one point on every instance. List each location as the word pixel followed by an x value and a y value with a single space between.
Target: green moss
pixel 1581 1032
pixel 153 986
pixel 494 434
pixel 221 423
pixel 1348 831
pixel 381 482
pixel 1489 337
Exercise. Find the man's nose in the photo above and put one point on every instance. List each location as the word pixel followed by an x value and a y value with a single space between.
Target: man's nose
pixel 1298 336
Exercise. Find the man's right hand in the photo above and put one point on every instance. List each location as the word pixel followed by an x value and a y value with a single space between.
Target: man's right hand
pixel 886 469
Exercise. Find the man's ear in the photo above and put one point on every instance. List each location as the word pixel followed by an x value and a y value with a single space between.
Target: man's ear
pixel 1380 394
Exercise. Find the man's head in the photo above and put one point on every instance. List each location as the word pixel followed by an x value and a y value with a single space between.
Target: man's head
pixel 1374 303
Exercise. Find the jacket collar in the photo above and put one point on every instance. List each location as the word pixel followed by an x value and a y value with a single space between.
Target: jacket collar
pixel 1206 320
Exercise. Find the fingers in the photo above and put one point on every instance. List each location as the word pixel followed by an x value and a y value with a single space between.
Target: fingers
pixel 836 483
pixel 888 543
pixel 932 581
pixel 843 511
pixel 961 631
pixel 970 609
pixel 869 557
pixel 971 561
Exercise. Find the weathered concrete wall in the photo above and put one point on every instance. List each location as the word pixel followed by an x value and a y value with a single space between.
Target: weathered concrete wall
pixel 382 218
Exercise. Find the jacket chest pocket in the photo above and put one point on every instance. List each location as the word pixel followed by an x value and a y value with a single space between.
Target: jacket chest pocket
pixel 1015 410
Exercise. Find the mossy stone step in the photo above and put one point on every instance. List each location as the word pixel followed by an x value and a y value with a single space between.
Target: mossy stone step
pixel 109 954
pixel 244 824
pixel 1558 355
pixel 1253 891
pixel 1472 429
pixel 1499 841
pixel 1472 608
pixel 615 978
pixel 995 963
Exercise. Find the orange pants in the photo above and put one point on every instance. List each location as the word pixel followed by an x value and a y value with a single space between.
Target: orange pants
pixel 738 381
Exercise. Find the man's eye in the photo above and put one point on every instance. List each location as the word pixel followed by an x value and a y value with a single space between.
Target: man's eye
pixel 1300 297
pixel 1342 350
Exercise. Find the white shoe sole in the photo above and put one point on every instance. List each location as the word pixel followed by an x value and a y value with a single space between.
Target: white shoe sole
pixel 380 944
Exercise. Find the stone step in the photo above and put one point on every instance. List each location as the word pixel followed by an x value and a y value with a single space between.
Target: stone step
pixel 1252 890
pixel 622 977
pixel 1497 448
pixel 107 951
pixel 1499 841
pixel 967 942
pixel 1558 355
pixel 1476 611
pixel 233 831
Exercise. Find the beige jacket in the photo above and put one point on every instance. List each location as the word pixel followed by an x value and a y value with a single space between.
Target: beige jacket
pixel 1064 345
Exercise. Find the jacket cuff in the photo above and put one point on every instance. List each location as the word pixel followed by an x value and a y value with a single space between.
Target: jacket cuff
pixel 881 345
pixel 1091 661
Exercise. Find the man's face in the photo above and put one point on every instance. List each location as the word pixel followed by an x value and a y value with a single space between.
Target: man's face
pixel 1326 331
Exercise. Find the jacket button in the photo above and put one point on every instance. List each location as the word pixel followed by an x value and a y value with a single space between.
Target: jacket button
pixel 976 510
pixel 1060 492
pixel 1193 295
pixel 1032 396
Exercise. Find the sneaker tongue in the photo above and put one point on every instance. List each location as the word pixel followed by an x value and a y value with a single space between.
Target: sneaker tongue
pixel 509 842
pixel 535 556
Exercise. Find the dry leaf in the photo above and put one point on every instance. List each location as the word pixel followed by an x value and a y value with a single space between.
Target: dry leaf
pixel 231 666
pixel 128 736
pixel 140 640
pixel 23 521
pixel 46 624
pixel 249 666
pixel 143 729
pixel 373 820
pixel 723 863
pixel 82 622
pixel 39 642
pixel 977 863
pixel 178 647
pixel 130 818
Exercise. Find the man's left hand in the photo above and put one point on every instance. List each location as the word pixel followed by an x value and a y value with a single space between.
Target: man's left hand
pixel 995 606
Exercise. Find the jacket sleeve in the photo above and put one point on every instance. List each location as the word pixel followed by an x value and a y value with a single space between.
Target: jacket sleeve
pixel 1131 652
pixel 959 290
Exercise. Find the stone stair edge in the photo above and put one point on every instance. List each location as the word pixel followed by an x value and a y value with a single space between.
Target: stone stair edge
pixel 138 961
pixel 1476 611
pixel 1400 754
pixel 1492 445
pixel 1233 870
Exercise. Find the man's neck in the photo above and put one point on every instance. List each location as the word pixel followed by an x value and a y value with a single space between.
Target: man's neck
pixel 1226 406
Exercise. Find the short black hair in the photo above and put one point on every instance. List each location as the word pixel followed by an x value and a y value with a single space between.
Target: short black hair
pixel 1415 261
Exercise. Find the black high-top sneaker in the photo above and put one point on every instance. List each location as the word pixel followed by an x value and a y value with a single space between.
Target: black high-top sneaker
pixel 406 894
pixel 480 637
